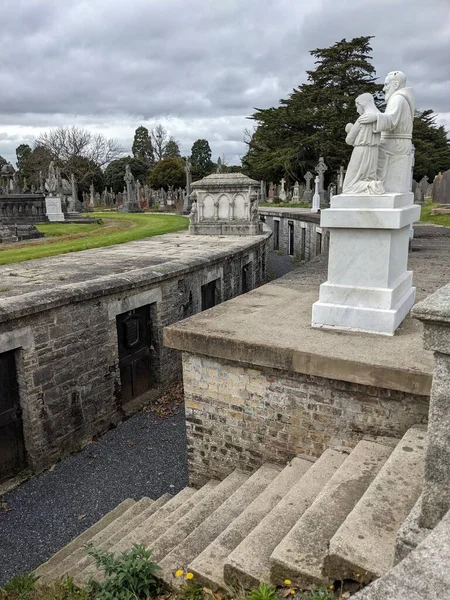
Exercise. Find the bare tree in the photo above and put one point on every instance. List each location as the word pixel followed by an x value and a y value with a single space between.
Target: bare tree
pixel 78 150
pixel 159 140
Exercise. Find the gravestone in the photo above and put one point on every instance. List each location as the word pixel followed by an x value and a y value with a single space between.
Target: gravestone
pixel 316 198
pixel 263 191
pixel 423 183
pixel 296 194
pixel 271 194
pixel 130 203
pixel 441 188
pixel 53 208
pixel 419 198
pixel 308 194
pixel 320 169
pixel 187 169
pixel 282 192
pixel 340 179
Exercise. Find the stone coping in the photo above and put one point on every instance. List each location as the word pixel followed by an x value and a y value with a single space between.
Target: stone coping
pixel 271 327
pixel 434 308
pixel 298 214
pixel 32 286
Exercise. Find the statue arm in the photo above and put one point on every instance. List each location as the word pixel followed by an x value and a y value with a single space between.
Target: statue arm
pixel 352 134
pixel 389 119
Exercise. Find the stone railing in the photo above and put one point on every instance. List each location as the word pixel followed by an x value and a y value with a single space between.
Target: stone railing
pixel 23 208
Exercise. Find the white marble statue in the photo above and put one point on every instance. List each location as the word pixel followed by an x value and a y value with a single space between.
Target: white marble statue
pixel 395 125
pixel 361 175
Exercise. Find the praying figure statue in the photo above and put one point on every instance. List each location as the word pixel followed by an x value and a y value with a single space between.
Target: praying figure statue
pixel 361 176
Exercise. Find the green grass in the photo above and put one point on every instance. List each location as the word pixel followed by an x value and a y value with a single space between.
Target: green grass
pixel 286 204
pixel 61 229
pixel 426 216
pixel 121 228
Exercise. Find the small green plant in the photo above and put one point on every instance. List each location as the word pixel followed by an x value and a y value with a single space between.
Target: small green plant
pixel 191 591
pixel 320 593
pixel 24 587
pixel 263 592
pixel 128 576
pixel 20 587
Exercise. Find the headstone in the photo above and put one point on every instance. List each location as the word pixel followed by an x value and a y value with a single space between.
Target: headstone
pixel 316 198
pixel 296 194
pixel 187 169
pixel 282 192
pixel 130 204
pixel 271 194
pixel 320 169
pixel 53 208
pixel 91 196
pixel 419 198
pixel 441 188
pixel 262 191
pixel 423 183
pixel 341 176
pixel 308 194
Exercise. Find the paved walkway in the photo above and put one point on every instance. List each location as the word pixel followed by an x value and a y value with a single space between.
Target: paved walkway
pixel 144 456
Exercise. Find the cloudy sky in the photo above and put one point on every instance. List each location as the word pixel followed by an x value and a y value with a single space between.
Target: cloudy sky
pixel 196 66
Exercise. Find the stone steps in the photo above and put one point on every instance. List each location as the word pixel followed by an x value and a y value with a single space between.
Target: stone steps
pixel 133 532
pixel 83 538
pixel 301 554
pixel 365 542
pixel 209 564
pixel 78 559
pixel 249 563
pixel 312 522
pixel 185 552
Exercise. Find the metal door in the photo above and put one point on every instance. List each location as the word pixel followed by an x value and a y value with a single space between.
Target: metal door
pixel 208 295
pixel 12 449
pixel 133 333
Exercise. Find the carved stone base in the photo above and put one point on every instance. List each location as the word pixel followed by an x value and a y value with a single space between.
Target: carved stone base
pixel 226 228
pixel 369 287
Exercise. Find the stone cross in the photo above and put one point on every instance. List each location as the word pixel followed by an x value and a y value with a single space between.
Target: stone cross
pixel 271 195
pixel 341 176
pixel 187 168
pixel 129 180
pixel 320 169
pixel 316 198
pixel 219 165
pixel 296 194
pixel 263 190
pixel 307 194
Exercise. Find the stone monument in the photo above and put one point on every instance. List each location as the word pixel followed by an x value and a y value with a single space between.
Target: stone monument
pixel 282 192
pixel 316 198
pixel 187 168
pixel 308 194
pixel 131 203
pixel 271 194
pixel 225 204
pixel 320 169
pixel 53 200
pixel 369 287
pixel 296 194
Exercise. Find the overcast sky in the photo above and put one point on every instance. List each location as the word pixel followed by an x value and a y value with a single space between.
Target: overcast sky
pixel 196 66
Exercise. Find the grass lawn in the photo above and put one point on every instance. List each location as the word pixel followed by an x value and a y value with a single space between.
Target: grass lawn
pixel 426 216
pixel 117 228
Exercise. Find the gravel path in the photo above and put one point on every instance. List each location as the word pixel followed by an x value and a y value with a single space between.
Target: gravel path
pixel 144 456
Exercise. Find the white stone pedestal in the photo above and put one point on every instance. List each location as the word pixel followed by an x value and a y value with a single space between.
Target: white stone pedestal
pixel 369 287
pixel 53 208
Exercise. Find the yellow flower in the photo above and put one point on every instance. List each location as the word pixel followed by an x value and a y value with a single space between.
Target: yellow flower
pixel 287 582
pixel 189 575
pixel 292 592
pixel 331 587
pixel 179 573
pixel 358 575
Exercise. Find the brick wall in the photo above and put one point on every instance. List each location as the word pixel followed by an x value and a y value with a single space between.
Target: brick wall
pixel 239 416
pixel 67 357
pixel 309 238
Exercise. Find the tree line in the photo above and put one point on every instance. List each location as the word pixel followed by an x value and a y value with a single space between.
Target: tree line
pixel 287 140
pixel 92 158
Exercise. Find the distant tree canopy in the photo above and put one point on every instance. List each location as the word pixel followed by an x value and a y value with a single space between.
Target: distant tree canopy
pixel 115 172
pixel 3 161
pixel 201 159
pixel 172 149
pixel 168 172
pixel 23 153
pixel 289 139
pixel 142 146
pixel 432 146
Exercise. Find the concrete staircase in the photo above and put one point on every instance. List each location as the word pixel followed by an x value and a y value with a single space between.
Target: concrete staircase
pixel 313 521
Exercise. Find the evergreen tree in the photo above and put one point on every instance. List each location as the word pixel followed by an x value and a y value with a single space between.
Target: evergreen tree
pixel 23 153
pixel 169 171
pixel 310 123
pixel 115 172
pixel 3 161
pixel 172 149
pixel 432 146
pixel 201 159
pixel 142 146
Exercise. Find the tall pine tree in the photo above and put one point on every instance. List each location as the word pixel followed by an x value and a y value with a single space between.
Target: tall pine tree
pixel 310 123
pixel 142 146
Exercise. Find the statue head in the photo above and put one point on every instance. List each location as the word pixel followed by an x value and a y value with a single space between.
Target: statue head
pixel 395 80
pixel 365 104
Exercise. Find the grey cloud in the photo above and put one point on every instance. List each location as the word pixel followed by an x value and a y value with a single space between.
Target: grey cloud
pixel 204 64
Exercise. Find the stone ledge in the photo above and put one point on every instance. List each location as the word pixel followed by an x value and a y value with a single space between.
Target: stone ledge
pixel 271 327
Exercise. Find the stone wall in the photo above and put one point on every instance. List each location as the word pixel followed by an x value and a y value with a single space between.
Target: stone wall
pixel 310 239
pixel 241 416
pixel 66 351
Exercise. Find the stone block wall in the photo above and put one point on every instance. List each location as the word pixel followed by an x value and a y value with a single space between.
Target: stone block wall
pixel 67 356
pixel 310 239
pixel 240 416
